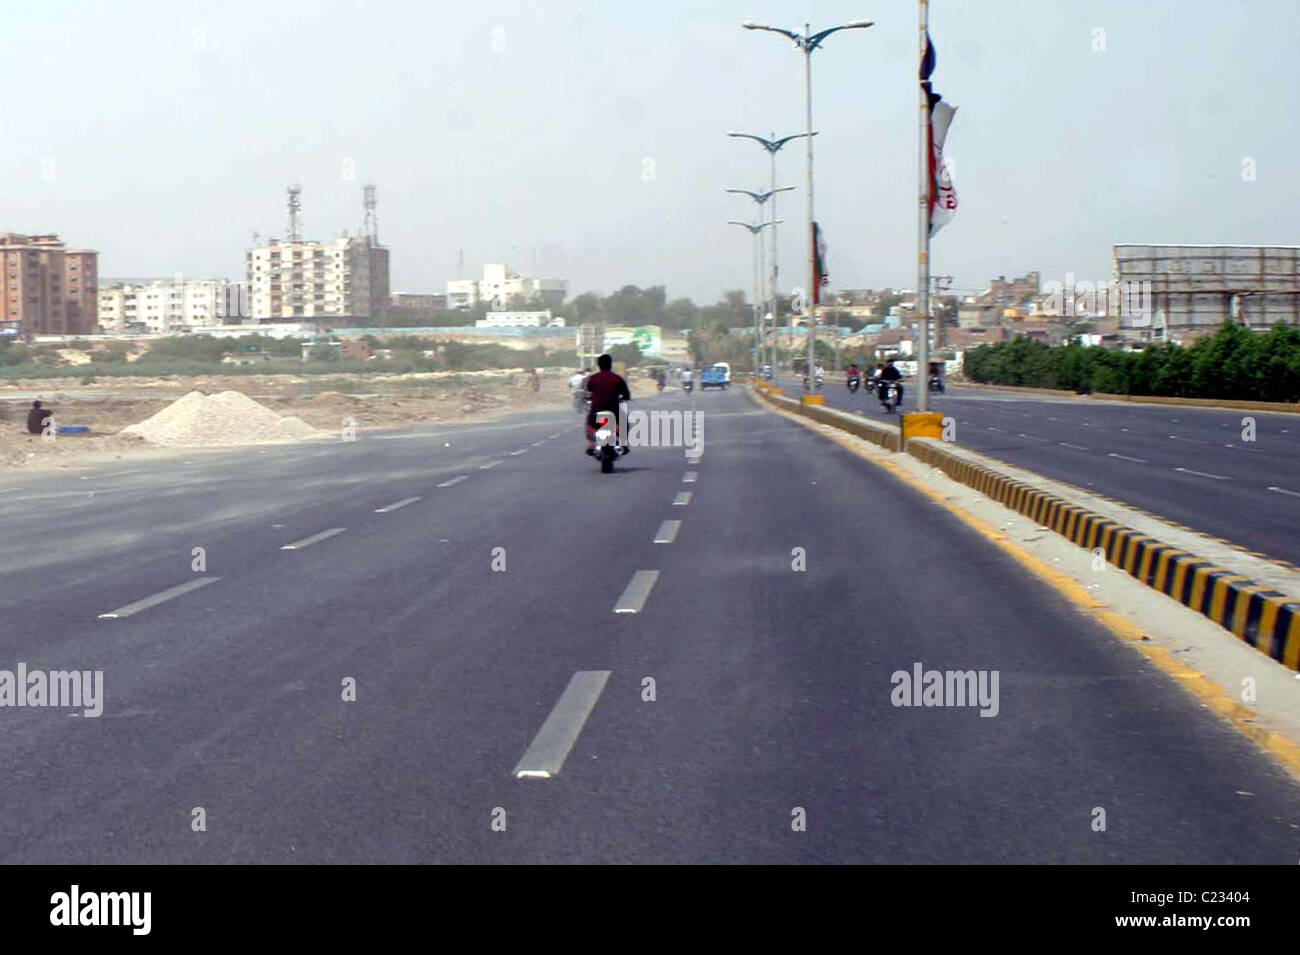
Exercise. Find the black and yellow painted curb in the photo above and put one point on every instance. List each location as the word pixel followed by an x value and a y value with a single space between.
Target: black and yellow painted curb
pixel 1267 620
pixel 1262 617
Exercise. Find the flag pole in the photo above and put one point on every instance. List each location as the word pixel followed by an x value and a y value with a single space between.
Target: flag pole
pixel 923 233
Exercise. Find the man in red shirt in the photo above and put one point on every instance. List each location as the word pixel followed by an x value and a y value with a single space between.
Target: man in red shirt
pixel 606 389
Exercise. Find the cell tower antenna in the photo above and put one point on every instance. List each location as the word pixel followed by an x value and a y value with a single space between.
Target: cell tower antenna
pixel 371 225
pixel 295 212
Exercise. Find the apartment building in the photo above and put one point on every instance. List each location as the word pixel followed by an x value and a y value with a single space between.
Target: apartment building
pixel 500 286
pixel 305 279
pixel 164 306
pixel 48 288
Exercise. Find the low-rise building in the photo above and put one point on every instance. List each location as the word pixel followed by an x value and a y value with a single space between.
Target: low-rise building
pixel 501 286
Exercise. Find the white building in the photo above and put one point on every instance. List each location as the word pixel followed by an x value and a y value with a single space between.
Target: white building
pixel 170 305
pixel 500 286
pixel 540 319
pixel 295 280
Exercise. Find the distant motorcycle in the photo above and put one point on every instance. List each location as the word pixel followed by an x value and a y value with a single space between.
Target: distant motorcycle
pixel 890 394
pixel 936 384
pixel 580 402
pixel 687 385
pixel 853 384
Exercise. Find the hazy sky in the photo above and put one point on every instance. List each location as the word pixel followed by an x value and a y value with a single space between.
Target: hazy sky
pixel 163 133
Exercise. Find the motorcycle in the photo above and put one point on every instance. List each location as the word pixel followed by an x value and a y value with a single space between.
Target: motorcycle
pixel 818 383
pixel 580 402
pixel 936 384
pixel 890 394
pixel 606 450
pixel 853 384
pixel 687 385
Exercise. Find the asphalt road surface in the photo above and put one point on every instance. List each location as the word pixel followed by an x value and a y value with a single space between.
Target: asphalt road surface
pixel 1189 465
pixel 772 686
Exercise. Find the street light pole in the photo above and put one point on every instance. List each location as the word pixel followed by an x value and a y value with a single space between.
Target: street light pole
pixel 761 198
pixel 773 146
pixel 755 230
pixel 808 42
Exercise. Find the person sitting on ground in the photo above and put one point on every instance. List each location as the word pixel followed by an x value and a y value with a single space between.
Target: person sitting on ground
pixel 36 418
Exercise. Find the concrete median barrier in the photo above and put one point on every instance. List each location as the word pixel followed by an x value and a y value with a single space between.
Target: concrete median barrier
pixel 1259 614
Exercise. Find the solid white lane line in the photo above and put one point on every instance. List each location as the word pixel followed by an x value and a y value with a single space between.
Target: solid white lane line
pixel 689 477
pixel 315 538
pixel 456 480
pixel 490 464
pixel 520 451
pixel 396 505
pixel 1077 447
pixel 683 498
pixel 667 532
pixel 550 747
pixel 1217 477
pixel 158 598
pixel 1125 457
pixel 1282 490
pixel 636 592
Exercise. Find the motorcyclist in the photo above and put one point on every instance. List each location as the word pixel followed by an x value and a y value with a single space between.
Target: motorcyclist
pixel 606 389
pixel 853 372
pixel 687 377
pixel 887 374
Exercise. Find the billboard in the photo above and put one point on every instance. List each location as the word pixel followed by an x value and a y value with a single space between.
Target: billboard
pixel 648 338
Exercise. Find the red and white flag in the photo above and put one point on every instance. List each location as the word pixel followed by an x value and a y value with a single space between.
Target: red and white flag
pixel 943 194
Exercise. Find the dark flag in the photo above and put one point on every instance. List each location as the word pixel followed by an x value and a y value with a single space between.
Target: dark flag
pixel 820 276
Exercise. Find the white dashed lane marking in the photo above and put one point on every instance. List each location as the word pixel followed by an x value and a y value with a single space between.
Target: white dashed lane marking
pixel 314 539
pixel 396 505
pixel 636 592
pixel 456 480
pixel 667 532
pixel 147 602
pixel 551 745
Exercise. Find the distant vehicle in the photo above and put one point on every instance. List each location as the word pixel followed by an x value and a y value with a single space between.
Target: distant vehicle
pixel 715 376
pixel 767 372
pixel 726 369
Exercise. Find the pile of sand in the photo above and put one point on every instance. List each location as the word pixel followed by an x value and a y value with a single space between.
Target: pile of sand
pixel 227 418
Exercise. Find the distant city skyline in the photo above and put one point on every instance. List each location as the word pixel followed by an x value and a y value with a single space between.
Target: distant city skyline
pixel 587 140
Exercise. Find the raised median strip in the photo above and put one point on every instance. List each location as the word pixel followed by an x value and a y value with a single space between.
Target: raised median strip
pixel 1239 593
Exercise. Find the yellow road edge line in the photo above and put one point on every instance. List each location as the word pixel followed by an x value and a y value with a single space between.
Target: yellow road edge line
pixel 1282 748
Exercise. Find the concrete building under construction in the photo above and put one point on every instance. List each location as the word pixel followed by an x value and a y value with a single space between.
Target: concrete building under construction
pixel 1196 288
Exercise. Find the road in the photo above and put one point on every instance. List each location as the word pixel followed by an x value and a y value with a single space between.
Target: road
pixel 772 686
pixel 1189 465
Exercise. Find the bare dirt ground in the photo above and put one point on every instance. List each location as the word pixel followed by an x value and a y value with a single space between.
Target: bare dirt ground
pixel 373 401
